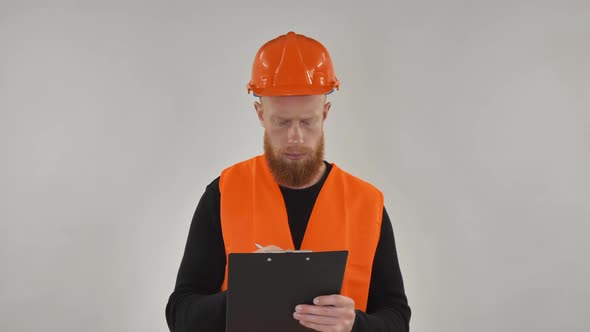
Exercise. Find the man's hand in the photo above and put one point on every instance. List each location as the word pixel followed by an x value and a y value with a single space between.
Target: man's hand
pixel 268 248
pixel 330 313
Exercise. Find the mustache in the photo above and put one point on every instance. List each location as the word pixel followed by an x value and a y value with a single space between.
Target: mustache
pixel 297 150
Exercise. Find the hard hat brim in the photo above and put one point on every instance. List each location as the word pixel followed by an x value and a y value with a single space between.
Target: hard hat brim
pixel 294 90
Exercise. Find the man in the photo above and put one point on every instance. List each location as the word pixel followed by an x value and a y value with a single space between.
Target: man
pixel 291 198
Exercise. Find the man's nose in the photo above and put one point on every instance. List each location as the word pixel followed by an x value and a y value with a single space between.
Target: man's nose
pixel 295 134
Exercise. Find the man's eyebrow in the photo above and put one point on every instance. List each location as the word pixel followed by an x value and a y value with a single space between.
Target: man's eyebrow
pixel 303 117
pixel 278 117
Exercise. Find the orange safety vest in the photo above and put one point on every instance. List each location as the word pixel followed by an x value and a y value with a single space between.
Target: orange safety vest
pixel 346 216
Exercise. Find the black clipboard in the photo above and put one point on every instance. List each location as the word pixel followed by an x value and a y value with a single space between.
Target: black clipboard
pixel 264 288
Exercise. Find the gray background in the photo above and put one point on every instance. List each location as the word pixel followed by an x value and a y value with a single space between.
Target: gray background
pixel 471 116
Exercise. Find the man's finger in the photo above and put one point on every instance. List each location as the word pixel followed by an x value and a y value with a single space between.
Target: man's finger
pixel 268 248
pixel 335 300
pixel 318 310
pixel 322 320
pixel 317 327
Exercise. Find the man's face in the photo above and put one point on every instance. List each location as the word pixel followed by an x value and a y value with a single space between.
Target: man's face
pixel 293 136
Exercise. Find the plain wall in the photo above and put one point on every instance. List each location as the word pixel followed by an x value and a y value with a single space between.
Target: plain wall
pixel 473 118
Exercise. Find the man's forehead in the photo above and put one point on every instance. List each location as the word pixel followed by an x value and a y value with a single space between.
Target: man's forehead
pixel 290 100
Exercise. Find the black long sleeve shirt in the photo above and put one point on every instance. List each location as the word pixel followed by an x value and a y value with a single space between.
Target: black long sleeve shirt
pixel 197 304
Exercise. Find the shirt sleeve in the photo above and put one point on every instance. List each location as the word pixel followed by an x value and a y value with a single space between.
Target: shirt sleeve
pixel 197 302
pixel 387 305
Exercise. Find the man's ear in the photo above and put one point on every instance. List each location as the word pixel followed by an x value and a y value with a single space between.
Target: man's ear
pixel 259 112
pixel 326 110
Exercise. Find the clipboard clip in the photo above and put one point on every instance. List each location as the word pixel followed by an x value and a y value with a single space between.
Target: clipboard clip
pixel 288 251
pixel 283 251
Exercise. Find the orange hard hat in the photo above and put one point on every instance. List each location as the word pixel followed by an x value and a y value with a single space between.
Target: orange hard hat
pixel 292 64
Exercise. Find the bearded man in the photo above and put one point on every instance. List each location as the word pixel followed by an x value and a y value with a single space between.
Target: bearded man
pixel 291 198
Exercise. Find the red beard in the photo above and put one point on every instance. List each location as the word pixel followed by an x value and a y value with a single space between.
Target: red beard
pixel 294 173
